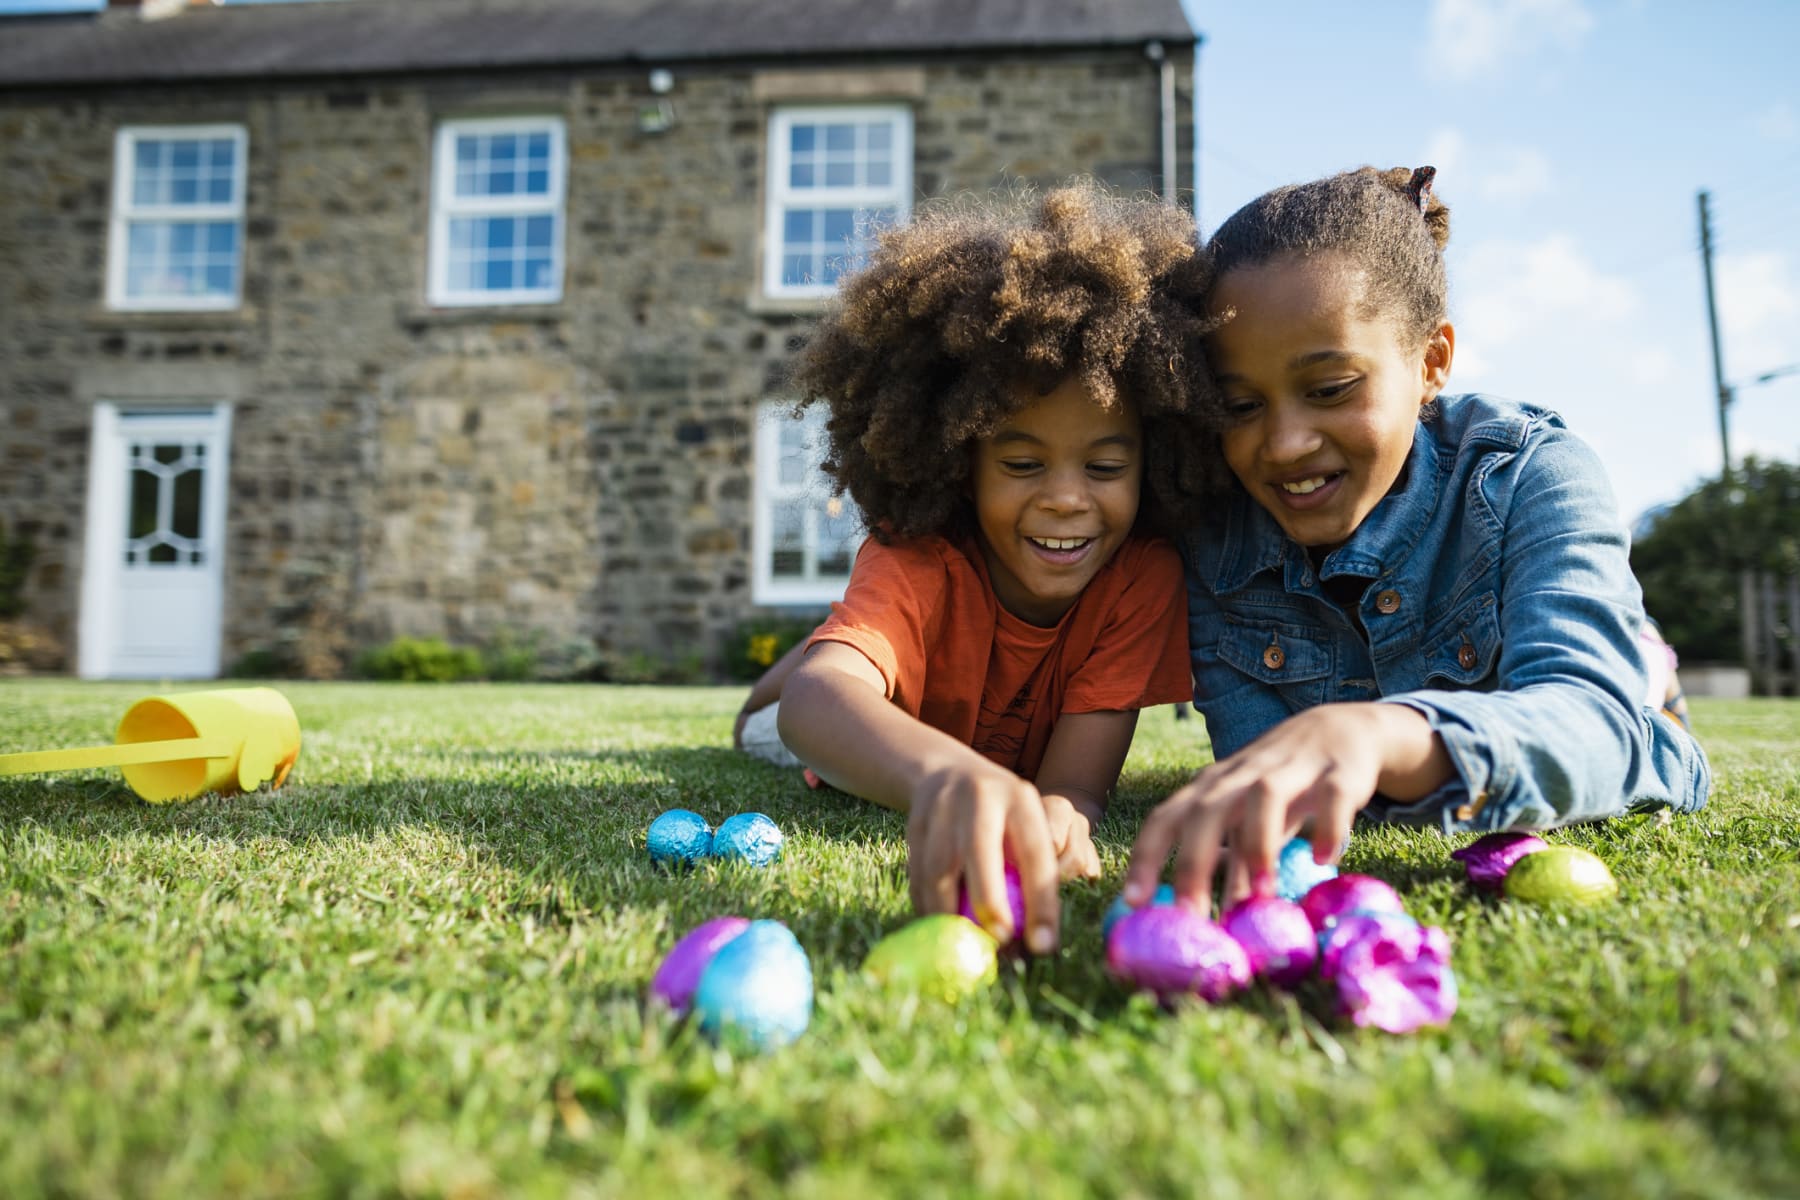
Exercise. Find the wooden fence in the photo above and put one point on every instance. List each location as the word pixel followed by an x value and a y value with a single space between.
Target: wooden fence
pixel 1771 608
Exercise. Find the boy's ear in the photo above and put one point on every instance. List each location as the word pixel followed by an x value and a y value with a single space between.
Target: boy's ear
pixel 1440 350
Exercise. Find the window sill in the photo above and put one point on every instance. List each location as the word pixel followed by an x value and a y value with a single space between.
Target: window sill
pixel 801 306
pixel 175 320
pixel 421 316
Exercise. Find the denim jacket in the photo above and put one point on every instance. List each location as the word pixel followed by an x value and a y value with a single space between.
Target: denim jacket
pixel 1492 594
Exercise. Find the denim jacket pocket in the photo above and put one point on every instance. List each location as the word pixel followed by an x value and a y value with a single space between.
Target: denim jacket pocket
pixel 1297 666
pixel 1461 650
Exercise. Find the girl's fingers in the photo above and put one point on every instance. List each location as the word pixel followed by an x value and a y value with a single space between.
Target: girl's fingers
pixel 983 822
pixel 1028 835
pixel 932 862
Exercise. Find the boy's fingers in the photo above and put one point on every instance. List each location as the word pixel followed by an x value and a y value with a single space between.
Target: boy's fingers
pixel 1035 858
pixel 984 865
pixel 1150 850
pixel 1334 810
pixel 1258 833
pixel 1199 855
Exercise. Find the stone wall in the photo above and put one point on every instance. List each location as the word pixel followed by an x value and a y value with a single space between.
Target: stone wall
pixel 579 470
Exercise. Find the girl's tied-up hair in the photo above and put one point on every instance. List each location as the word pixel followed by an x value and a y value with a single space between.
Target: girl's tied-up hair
pixel 965 313
pixel 1390 225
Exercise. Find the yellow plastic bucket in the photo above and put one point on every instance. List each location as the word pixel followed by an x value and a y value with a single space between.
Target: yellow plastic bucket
pixel 181 746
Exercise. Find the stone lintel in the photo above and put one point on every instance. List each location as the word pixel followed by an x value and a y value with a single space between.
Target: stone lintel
pixel 877 83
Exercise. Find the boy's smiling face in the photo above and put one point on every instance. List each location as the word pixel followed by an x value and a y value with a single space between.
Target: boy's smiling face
pixel 1056 491
pixel 1322 396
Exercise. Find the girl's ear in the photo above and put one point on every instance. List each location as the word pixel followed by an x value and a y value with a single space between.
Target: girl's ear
pixel 1440 350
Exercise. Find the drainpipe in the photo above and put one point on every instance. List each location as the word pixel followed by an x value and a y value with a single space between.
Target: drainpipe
pixel 1165 115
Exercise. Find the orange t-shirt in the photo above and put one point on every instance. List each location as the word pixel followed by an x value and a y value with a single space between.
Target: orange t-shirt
pixel 924 612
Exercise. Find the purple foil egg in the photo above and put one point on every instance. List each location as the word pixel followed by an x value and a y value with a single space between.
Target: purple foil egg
pixel 1490 857
pixel 1015 902
pixel 680 973
pixel 1276 936
pixel 1395 976
pixel 1346 894
pixel 1173 951
pixel 1354 927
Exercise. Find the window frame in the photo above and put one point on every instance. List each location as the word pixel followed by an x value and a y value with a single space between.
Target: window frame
pixel 126 212
pixel 445 207
pixel 780 194
pixel 811 590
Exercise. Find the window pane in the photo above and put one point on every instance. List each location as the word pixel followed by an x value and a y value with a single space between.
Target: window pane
pixel 537 273
pixel 797 226
pixel 796 268
pixel 162 552
pixel 787 541
pixel 840 174
pixel 224 155
pixel 500 233
pixel 800 175
pixel 880 174
pixel 499 274
pixel 538 232
pixel 840 137
pixel 881 137
pixel 146 486
pixel 221 237
pixel 468 149
pixel 185 517
pixel 802 138
pixel 539 147
pixel 184 155
pixel 537 183
pixel 462 234
pixel 148 155
pixel 184 237
pixel 184 189
pixel 840 227
pixel 218 280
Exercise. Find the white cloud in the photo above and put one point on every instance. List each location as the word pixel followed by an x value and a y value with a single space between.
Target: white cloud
pixel 1470 38
pixel 1503 291
pixel 1519 173
pixel 1759 313
pixel 1505 173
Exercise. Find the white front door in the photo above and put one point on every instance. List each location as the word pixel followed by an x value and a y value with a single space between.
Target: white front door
pixel 153 582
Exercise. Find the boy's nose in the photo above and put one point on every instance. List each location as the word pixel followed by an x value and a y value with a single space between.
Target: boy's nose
pixel 1066 493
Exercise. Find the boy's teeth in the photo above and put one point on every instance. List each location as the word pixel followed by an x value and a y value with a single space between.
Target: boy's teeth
pixel 1304 486
pixel 1060 543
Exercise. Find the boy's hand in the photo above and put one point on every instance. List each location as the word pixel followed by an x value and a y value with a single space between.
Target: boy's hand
pixel 1071 835
pixel 964 825
pixel 1317 768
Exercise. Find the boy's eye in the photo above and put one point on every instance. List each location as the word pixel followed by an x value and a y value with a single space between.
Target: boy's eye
pixel 1019 466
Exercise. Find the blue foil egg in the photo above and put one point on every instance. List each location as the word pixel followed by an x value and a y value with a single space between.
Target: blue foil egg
pixel 749 836
pixel 758 986
pixel 1297 874
pixel 1118 910
pixel 678 837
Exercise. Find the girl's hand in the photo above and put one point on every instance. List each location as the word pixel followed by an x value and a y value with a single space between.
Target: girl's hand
pixel 1071 835
pixel 963 825
pixel 1317 769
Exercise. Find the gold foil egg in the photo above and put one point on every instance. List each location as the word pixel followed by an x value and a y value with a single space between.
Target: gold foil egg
pixel 945 957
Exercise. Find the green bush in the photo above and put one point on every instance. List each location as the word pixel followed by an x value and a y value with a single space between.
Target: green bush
pixel 420 660
pixel 16 555
pixel 759 641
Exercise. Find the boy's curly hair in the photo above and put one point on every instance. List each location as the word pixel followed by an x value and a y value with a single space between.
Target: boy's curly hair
pixel 965 313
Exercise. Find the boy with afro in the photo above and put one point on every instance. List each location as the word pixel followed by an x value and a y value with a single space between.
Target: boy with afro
pixel 1016 404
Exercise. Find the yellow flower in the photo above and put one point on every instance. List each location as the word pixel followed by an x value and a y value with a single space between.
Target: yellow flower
pixel 762 648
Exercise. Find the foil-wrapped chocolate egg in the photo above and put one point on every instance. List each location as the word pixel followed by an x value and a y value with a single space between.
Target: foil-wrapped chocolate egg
pixel 1392 973
pixel 1015 902
pixel 680 972
pixel 1174 951
pixel 1488 858
pixel 1561 875
pixel 1276 936
pixel 1118 910
pixel 678 837
pixel 1346 894
pixel 940 956
pixel 1335 938
pixel 1296 873
pixel 750 837
pixel 759 986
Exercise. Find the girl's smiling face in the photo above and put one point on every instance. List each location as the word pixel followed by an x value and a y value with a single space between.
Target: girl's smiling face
pixel 1056 492
pixel 1323 396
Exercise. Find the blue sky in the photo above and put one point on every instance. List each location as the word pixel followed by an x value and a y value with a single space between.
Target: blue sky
pixel 1570 138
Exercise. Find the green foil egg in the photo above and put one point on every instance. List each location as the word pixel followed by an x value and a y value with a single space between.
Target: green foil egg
pixel 943 956
pixel 1561 875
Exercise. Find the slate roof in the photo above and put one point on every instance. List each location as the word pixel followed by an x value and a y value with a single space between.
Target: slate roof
pixel 387 36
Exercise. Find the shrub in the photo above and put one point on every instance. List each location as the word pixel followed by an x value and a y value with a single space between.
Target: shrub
pixel 419 660
pixel 16 555
pixel 759 641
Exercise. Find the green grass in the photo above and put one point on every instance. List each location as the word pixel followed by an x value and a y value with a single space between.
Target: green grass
pixel 418 969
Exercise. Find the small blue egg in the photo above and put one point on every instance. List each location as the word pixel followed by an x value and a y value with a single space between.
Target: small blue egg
pixel 759 984
pixel 1297 873
pixel 1118 910
pixel 679 836
pixel 749 836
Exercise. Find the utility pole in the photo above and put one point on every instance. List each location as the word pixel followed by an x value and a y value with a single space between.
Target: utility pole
pixel 1722 388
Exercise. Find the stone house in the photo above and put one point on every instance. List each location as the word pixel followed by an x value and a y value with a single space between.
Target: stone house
pixel 323 323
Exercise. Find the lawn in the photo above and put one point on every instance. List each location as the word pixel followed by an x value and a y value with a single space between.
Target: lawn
pixel 418 970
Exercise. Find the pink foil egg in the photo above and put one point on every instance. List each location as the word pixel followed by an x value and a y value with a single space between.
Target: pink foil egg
pixel 1394 975
pixel 1335 898
pixel 1490 857
pixel 679 976
pixel 1355 927
pixel 1172 950
pixel 1015 902
pixel 1276 936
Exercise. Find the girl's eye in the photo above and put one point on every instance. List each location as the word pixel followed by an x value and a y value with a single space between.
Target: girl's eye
pixel 1242 408
pixel 1332 391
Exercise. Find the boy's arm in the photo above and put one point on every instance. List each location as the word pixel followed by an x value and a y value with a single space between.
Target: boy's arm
pixel 1081 764
pixel 767 689
pixel 961 808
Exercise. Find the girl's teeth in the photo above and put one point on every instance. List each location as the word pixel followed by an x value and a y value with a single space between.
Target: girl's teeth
pixel 1060 543
pixel 1304 486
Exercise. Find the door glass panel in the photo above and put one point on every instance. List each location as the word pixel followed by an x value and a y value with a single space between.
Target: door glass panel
pixel 146 486
pixel 186 516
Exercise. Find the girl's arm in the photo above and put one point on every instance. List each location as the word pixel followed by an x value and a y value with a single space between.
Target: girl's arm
pixel 965 814
pixel 1081 764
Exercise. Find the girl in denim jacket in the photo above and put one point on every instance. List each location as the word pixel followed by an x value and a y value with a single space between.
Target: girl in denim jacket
pixel 1412 605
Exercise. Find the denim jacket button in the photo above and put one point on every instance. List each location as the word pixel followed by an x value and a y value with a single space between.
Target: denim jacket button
pixel 1388 602
pixel 1465 657
pixel 1274 657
